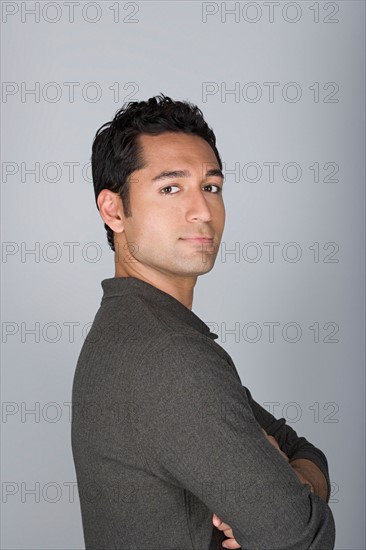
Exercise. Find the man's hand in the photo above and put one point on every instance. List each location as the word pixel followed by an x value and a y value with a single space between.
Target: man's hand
pixel 228 532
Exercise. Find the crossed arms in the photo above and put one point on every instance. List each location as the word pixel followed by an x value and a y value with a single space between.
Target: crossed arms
pixel 307 472
pixel 202 426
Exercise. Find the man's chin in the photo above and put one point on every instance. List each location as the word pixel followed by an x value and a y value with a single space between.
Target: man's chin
pixel 198 270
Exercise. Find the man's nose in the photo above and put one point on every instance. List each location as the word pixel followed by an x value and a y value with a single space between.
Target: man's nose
pixel 198 208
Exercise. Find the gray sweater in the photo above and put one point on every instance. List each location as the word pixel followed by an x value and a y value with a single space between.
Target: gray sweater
pixel 164 434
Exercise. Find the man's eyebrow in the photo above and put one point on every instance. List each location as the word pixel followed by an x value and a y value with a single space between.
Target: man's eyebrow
pixel 169 174
pixel 214 172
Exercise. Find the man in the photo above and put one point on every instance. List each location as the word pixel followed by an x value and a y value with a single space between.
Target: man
pixel 170 449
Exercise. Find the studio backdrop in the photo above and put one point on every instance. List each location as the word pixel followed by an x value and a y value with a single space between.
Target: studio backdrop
pixel 283 86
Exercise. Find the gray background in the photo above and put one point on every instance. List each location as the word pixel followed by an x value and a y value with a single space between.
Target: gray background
pixel 317 384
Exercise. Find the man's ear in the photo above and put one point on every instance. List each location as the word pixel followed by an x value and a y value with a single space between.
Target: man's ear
pixel 111 210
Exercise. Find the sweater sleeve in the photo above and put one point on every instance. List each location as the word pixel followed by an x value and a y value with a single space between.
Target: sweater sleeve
pixel 195 422
pixel 288 440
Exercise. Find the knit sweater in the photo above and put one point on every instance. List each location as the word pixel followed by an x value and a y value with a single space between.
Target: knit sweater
pixel 164 434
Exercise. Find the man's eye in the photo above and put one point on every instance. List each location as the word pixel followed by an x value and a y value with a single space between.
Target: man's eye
pixel 167 190
pixel 211 185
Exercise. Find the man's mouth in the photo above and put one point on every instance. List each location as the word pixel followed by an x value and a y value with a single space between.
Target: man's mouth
pixel 198 238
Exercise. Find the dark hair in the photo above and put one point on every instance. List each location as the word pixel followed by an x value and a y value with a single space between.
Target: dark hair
pixel 117 152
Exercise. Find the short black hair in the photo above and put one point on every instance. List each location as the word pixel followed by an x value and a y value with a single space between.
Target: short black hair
pixel 117 152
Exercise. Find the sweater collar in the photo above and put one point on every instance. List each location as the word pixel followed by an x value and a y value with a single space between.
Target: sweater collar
pixel 119 286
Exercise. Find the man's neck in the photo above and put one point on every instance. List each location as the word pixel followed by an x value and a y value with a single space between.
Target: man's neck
pixel 181 288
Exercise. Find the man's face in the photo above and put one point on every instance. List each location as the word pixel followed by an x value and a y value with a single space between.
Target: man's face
pixel 170 212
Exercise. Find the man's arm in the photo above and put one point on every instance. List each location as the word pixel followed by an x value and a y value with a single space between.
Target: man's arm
pixel 306 471
pixel 195 423
pixel 307 460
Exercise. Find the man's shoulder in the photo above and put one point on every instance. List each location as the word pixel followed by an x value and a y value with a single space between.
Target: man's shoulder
pixel 137 320
pixel 141 332
pixel 179 357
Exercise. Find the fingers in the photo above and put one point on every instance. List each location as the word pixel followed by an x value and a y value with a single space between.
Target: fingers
pixel 221 525
pixel 228 532
pixel 230 543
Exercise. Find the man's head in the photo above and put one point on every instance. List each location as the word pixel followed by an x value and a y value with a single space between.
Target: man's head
pixel 143 140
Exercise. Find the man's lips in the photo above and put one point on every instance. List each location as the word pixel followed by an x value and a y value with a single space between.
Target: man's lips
pixel 198 238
